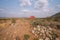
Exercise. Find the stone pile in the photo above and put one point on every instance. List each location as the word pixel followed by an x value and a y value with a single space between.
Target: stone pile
pixel 43 33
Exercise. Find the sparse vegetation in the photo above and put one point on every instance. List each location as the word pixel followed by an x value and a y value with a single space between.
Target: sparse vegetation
pixel 13 21
pixel 26 37
pixel 36 39
pixel 17 38
pixel 34 24
pixel 58 26
pixel 42 22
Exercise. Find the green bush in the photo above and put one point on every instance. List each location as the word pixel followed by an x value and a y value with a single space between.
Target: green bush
pixel 35 23
pixel 58 26
pixel 13 21
pixel 26 37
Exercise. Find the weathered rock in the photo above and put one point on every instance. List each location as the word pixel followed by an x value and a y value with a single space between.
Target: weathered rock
pixel 40 39
pixel 47 38
pixel 44 33
pixel 33 31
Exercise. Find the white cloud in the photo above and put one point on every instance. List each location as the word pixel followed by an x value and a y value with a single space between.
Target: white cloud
pixel 40 8
pixel 1 9
pixel 25 3
pixel 6 13
pixel 58 6
pixel 36 13
pixel 41 4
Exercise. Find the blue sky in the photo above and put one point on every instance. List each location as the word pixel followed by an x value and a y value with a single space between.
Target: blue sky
pixel 27 8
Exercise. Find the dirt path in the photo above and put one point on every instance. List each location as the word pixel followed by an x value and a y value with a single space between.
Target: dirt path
pixel 19 29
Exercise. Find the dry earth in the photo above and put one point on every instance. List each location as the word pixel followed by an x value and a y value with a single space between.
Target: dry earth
pixel 11 30
pixel 19 29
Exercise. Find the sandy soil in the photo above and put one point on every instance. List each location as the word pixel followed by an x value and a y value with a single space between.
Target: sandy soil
pixel 19 29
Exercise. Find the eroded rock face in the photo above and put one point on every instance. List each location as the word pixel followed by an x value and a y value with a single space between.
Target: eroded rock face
pixel 43 33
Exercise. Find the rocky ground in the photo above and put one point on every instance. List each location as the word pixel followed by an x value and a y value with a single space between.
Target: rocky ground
pixel 15 29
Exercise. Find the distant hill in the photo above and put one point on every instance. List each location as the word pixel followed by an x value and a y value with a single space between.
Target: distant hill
pixel 56 15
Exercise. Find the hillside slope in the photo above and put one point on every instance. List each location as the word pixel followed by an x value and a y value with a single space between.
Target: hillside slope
pixel 56 15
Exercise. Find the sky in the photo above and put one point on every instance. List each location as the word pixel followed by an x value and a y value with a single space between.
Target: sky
pixel 27 8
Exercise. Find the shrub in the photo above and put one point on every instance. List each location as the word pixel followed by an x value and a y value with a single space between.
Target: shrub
pixel 17 38
pixel 36 39
pixel 58 26
pixel 35 23
pixel 54 36
pixel 26 37
pixel 13 21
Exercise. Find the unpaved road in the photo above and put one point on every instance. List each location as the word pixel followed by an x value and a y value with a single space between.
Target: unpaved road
pixel 19 29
